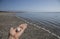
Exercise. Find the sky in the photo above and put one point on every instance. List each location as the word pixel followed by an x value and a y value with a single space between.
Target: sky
pixel 30 5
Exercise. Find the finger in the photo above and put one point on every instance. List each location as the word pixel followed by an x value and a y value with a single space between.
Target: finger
pixel 23 26
pixel 22 30
pixel 18 34
pixel 11 29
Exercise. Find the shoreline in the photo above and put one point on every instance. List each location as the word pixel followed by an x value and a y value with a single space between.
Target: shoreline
pixel 31 32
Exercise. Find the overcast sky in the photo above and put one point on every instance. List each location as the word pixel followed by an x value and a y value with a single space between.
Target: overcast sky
pixel 30 5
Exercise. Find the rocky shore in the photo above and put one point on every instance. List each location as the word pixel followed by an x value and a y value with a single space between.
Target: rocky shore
pixel 32 32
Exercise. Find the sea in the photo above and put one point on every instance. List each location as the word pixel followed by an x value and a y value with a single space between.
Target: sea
pixel 47 20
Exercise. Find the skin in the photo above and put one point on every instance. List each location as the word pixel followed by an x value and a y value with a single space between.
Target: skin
pixel 16 35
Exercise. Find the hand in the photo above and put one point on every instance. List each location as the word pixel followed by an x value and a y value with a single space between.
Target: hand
pixel 18 34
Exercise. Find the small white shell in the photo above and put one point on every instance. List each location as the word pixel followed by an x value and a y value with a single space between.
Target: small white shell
pixel 18 29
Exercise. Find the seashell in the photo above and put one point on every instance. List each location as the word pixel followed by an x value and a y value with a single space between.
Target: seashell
pixel 18 29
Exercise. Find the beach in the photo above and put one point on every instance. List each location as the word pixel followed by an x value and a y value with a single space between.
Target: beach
pixel 32 32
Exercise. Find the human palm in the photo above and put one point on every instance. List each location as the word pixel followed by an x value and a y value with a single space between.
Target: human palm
pixel 15 34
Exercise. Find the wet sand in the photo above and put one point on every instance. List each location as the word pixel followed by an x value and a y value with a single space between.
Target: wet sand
pixel 32 32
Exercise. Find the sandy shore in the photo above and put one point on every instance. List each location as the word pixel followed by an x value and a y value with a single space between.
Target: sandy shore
pixel 31 32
